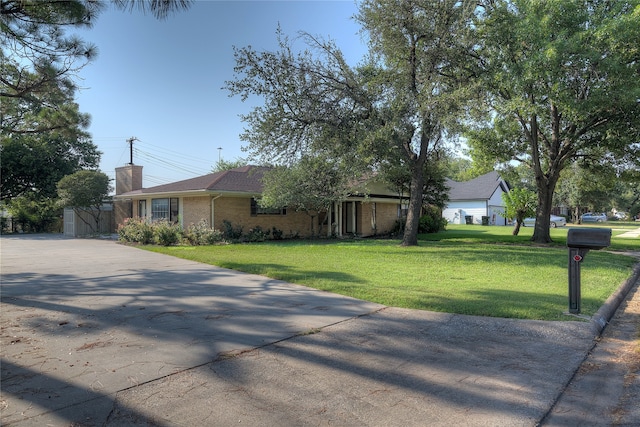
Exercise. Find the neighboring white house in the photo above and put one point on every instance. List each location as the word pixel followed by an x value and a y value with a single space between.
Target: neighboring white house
pixel 478 201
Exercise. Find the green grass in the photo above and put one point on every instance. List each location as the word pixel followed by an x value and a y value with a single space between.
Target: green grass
pixel 468 269
pixel 502 235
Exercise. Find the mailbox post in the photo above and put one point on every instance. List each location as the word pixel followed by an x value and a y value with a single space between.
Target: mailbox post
pixel 580 241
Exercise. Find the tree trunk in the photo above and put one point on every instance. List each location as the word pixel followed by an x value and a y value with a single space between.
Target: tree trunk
pixel 541 232
pixel 516 227
pixel 545 182
pixel 410 235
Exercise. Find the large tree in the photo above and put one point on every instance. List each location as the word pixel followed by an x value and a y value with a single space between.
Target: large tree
pixel 311 185
pixel 43 133
pixel 43 138
pixel 394 105
pixel 37 52
pixel 35 163
pixel 561 83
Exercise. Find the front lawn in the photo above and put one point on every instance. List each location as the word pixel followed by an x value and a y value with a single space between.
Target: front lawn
pixel 468 269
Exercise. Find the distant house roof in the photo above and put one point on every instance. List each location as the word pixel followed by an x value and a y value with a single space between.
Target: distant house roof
pixel 246 179
pixel 480 188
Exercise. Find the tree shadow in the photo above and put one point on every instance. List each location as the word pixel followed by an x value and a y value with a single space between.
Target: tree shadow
pixel 47 400
pixel 134 321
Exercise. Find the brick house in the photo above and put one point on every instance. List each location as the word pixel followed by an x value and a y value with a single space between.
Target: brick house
pixel 232 196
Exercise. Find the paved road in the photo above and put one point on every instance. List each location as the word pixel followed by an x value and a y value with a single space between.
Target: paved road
pixel 96 333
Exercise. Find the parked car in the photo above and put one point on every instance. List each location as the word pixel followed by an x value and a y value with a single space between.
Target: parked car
pixel 593 217
pixel 620 215
pixel 556 221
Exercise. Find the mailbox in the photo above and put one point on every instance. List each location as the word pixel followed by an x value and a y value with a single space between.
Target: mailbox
pixel 580 241
pixel 589 238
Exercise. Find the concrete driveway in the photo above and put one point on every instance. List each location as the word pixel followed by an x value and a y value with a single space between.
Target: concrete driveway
pixel 97 333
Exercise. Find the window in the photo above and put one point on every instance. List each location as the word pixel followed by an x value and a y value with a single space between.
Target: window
pixel 403 210
pixel 256 209
pixel 164 209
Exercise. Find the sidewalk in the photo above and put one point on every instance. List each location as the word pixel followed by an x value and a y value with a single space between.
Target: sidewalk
pixel 98 334
pixel 631 234
pixel 606 389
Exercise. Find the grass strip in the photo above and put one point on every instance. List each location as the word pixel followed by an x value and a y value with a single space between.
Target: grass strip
pixel 476 271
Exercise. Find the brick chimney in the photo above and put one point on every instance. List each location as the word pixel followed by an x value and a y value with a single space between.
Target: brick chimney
pixel 128 178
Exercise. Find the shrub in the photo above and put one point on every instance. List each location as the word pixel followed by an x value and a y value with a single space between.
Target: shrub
pixel 257 234
pixel 398 227
pixel 166 233
pixel 135 230
pixel 431 221
pixel 231 233
pixel 277 234
pixel 202 234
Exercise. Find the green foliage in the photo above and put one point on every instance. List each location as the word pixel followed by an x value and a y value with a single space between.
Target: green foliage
pixel 462 169
pixel 225 165
pixel 37 54
pixel 560 84
pixel 35 158
pixel 398 176
pixel 277 234
pixel 159 9
pixel 393 106
pixel 33 214
pixel 166 233
pixel 519 203
pixel 84 188
pixel 135 230
pixel 431 221
pixel 231 233
pixel 311 185
pixel 450 273
pixel 85 191
pixel 139 230
pixel 43 134
pixel 257 234
pixel 202 234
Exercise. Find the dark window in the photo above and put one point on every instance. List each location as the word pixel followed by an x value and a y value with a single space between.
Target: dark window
pixel 173 210
pixel 256 209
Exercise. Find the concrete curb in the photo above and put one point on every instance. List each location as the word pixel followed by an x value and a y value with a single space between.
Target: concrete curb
pixel 602 317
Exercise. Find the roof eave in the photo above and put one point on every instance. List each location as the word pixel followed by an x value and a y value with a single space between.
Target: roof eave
pixel 186 193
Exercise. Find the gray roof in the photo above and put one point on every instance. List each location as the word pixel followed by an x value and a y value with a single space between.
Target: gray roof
pixel 246 179
pixel 480 188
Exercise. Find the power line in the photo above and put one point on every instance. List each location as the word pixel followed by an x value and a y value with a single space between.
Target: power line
pixel 170 164
pixel 179 154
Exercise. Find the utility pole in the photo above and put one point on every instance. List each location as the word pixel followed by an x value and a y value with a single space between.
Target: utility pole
pixel 130 141
pixel 219 151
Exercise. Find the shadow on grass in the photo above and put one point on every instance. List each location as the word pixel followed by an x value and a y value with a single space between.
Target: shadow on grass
pixel 289 273
pixel 444 276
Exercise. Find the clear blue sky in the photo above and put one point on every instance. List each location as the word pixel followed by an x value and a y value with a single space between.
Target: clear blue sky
pixel 161 81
